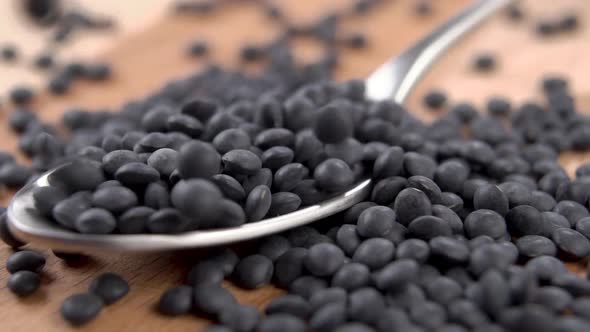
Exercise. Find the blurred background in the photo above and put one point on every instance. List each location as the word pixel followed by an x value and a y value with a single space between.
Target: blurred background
pixel 395 25
pixel 20 29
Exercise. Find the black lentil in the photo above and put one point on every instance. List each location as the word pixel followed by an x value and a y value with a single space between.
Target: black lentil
pixel 450 175
pixel 276 157
pixel 282 322
pixel 110 287
pixel 450 217
pixel 327 296
pixel 287 177
pixel 253 271
pixel 198 48
pixel 576 286
pixel 571 242
pixel 15 175
pixel 5 233
pixel 289 304
pixel 517 193
pixel 350 151
pixel 415 249
pixel 484 62
pixel 333 175
pixel 115 199
pixel 44 61
pixel 25 260
pixel 289 266
pixel 375 221
pixel 283 203
pixel 206 272
pixel 307 285
pixel 258 203
pixel 21 95
pixel 212 299
pixel 396 275
pixel 23 283
pixel 241 162
pixel 485 222
pixel 81 308
pixel 68 210
pixel 176 301
pixel 466 313
pixel 133 221
pixel 351 276
pixel 573 211
pixel 328 317
pixel 240 318
pixel 333 124
pixel 447 250
pixel 545 267
pixel 9 53
pixel 95 221
pixel 217 328
pixel 323 259
pixel 229 186
pixel 355 41
pixel 427 186
pixel 581 307
pixel 385 191
pixel 525 220
pixel 435 99
pixel 418 164
pixel 428 314
pixel 365 305
pixel 542 201
pixel 136 173
pixel 224 257
pixel 546 28
pixel 274 247
pixel 515 12
pixel 491 256
pixel 156 196
pixel 166 220
pixel 205 207
pixel 411 203
pixel 569 22
pixel 389 163
pixel 262 177
pixel 428 227
pixel 552 298
pixel 535 245
pixel 374 253
pixel 207 164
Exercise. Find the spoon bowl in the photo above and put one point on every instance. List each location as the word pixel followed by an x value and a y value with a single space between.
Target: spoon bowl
pixel 393 80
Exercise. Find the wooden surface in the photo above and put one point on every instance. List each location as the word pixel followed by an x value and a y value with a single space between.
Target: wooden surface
pixel 147 59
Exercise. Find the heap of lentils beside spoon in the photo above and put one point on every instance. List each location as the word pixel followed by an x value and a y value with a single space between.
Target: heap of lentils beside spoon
pixel 467 226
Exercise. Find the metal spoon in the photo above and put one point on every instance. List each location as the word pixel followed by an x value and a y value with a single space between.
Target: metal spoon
pixel 394 79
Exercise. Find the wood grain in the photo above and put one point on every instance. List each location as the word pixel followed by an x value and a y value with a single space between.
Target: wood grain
pixel 146 60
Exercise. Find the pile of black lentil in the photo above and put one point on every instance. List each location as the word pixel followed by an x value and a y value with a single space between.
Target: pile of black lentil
pixel 467 228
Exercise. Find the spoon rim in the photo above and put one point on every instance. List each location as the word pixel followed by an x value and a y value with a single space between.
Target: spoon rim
pixel 26 224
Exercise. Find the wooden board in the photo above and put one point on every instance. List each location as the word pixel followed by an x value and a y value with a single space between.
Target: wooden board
pixel 146 60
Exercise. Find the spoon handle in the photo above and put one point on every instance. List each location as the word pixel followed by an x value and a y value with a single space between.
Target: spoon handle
pixel 396 78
